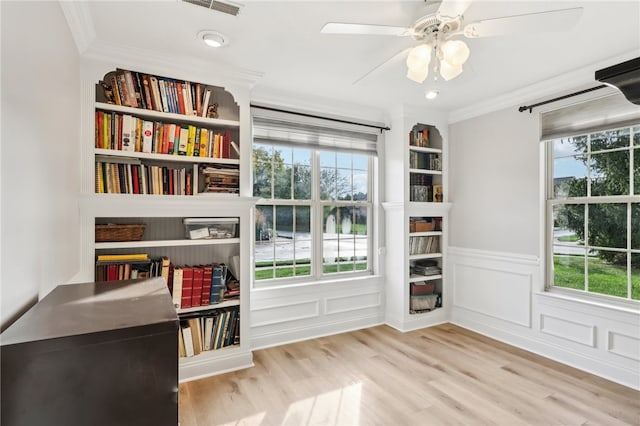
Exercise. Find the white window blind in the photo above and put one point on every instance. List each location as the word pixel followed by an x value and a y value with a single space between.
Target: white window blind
pixel 282 128
pixel 606 112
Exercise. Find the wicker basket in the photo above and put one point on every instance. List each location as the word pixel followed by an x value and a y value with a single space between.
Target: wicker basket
pixel 116 232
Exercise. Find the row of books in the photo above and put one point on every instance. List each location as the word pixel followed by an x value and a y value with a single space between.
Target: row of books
pixel 211 331
pixel 190 286
pixel 124 132
pixel 424 161
pixel 133 177
pixel 137 90
pixel 419 138
pixel 202 285
pixel 129 267
pixel 424 245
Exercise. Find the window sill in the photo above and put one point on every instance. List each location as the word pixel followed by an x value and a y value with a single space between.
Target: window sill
pixel 359 278
pixel 600 301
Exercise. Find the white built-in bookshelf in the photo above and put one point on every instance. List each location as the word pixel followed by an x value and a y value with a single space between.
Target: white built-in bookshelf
pixel 156 163
pixel 417 227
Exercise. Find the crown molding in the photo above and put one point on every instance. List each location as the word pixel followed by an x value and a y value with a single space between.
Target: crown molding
pixel 156 62
pixel 80 23
pixel 551 87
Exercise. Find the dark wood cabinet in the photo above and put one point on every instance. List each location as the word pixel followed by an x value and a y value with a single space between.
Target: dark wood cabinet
pixel 93 354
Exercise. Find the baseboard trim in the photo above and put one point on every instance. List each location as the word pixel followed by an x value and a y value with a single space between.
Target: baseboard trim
pixel 292 335
pixel 611 372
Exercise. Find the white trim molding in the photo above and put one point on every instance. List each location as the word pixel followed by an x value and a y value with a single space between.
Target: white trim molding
pixel 80 23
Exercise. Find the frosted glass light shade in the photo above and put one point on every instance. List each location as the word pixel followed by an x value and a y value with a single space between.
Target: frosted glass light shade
pixel 448 71
pixel 455 52
pixel 418 75
pixel 419 57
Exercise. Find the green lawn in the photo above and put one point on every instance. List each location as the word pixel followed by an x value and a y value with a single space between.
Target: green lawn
pixel 604 278
pixel 286 268
pixel 568 239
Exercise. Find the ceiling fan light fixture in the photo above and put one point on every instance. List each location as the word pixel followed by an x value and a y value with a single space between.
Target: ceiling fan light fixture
pixel 455 52
pixel 448 71
pixel 418 75
pixel 419 57
pixel 213 38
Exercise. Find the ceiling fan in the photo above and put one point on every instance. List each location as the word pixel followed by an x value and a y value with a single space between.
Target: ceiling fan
pixel 437 34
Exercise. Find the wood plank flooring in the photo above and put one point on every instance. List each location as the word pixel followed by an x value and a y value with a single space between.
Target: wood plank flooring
pixel 379 376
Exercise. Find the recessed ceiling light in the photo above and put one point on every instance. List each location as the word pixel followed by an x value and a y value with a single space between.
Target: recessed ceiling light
pixel 212 38
pixel 431 94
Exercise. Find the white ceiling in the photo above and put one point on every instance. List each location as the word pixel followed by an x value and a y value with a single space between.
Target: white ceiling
pixel 282 41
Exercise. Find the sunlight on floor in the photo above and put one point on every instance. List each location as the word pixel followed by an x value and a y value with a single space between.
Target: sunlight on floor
pixel 341 406
pixel 254 419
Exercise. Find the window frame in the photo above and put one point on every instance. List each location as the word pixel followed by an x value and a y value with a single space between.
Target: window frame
pixel 550 202
pixel 317 205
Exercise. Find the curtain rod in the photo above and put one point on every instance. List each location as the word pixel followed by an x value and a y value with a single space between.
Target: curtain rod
pixel 304 114
pixel 570 95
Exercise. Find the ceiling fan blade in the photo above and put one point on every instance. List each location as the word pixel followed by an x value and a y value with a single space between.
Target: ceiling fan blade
pixel 451 9
pixel 365 29
pixel 395 58
pixel 551 20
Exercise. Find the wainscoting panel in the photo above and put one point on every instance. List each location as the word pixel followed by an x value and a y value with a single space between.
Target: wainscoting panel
pixel 350 303
pixel 499 291
pixel 624 345
pixel 567 329
pixel 281 315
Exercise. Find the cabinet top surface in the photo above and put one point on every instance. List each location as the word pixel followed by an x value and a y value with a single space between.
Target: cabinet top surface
pixel 79 309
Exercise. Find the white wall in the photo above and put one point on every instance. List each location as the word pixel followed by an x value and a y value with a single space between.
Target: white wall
pixel 495 260
pixel 494 182
pixel 40 160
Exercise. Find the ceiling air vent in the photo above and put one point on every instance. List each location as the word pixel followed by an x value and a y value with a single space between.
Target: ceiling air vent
pixel 224 7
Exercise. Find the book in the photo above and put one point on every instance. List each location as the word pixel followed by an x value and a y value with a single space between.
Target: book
pixel 196 295
pixel 114 257
pixel 196 334
pixel 205 103
pixel 165 269
pixel 207 275
pixel 177 288
pixel 208 330
pixel 187 287
pixel 188 339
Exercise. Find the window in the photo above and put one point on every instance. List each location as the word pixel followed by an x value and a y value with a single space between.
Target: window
pixel 593 212
pixel 314 219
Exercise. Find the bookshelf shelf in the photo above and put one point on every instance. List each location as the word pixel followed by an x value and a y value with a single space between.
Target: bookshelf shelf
pixel 224 304
pixel 165 243
pixel 425 149
pixel 425 234
pixel 425 171
pixel 176 118
pixel 163 157
pixel 425 256
pixel 418 278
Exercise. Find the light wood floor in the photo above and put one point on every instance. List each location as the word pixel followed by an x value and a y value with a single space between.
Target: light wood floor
pixel 379 376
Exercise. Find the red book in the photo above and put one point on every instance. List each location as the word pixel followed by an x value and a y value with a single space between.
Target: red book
pixel 170 176
pixel 196 296
pixel 187 287
pixel 207 274
pixel 119 131
pixel 98 129
pixel 180 98
pixel 226 145
pixel 134 178
pixel 165 138
pixel 112 272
